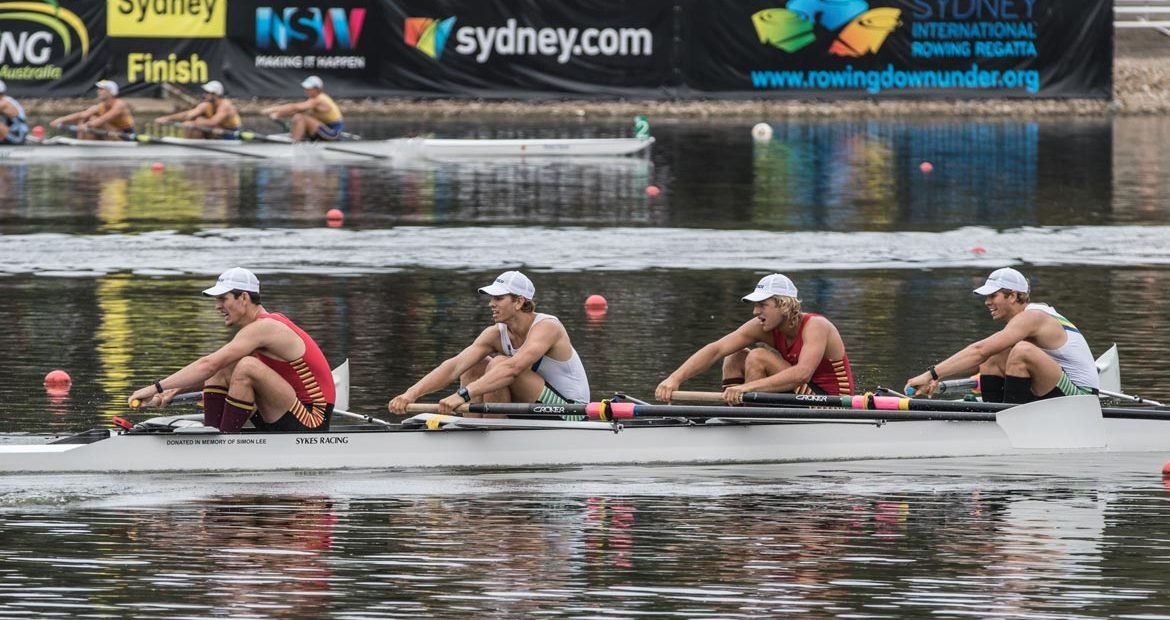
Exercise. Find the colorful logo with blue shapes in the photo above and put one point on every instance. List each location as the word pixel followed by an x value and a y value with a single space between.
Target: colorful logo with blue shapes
pixel 860 29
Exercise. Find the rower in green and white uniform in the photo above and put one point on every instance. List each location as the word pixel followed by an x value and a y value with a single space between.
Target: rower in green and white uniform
pixel 524 357
pixel 1038 354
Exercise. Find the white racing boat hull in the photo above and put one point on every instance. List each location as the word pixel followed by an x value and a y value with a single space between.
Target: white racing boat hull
pixel 456 446
pixel 351 151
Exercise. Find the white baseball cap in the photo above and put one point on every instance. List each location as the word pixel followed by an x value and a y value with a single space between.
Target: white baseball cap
pixel 3 87
pixel 1000 279
pixel 313 82
pixel 109 86
pixel 234 279
pixel 214 87
pixel 770 286
pixel 511 283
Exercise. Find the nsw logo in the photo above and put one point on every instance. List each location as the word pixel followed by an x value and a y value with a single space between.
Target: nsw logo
pixel 428 35
pixel 860 30
pixel 328 29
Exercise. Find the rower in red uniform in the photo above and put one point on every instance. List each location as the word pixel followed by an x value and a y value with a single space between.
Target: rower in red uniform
pixel 271 372
pixel 809 355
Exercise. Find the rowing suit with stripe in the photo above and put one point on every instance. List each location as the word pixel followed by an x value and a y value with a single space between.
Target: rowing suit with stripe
pixel 1075 358
pixel 123 124
pixel 830 377
pixel 564 382
pixel 17 125
pixel 229 125
pixel 331 121
pixel 311 379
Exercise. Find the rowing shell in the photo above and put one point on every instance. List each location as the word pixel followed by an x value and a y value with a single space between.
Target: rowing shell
pixel 60 148
pixel 497 443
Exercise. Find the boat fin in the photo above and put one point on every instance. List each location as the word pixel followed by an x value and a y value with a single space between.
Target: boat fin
pixel 1069 422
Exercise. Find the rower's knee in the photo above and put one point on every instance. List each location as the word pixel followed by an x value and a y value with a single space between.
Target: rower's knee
pixel 245 371
pixel 735 365
pixel 1022 358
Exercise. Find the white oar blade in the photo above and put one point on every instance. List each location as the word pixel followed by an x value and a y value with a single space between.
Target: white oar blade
pixel 1070 422
pixel 341 385
pixel 1109 370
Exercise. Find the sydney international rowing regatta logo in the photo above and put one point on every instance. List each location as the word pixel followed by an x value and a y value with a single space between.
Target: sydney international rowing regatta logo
pixel 860 29
pixel 428 35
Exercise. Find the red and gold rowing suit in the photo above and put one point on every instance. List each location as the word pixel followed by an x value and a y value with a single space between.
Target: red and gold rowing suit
pixel 833 377
pixel 309 376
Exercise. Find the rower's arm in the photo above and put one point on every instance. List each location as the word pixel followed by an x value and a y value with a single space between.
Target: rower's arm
pixel 540 340
pixel 449 371
pixel 76 116
pixel 118 108
pixel 185 115
pixel 701 360
pixel 966 362
pixel 815 339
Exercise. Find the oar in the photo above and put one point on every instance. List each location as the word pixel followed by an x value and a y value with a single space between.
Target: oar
pixel 894 403
pixel 326 146
pixel 146 139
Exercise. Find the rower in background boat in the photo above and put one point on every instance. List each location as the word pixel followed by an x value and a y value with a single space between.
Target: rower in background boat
pixel 111 118
pixel 271 372
pixel 809 355
pixel 1038 354
pixel 215 116
pixel 13 123
pixel 524 357
pixel 315 118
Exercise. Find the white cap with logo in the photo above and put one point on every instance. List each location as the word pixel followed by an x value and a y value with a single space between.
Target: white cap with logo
pixel 109 86
pixel 214 87
pixel 234 279
pixel 1000 279
pixel 770 286
pixel 313 82
pixel 511 283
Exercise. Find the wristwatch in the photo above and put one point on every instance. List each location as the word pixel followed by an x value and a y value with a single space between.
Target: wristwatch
pixel 464 394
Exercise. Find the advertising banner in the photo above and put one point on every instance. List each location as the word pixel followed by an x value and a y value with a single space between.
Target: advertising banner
pixel 901 48
pixel 277 43
pixel 51 48
pixel 586 48
pixel 823 49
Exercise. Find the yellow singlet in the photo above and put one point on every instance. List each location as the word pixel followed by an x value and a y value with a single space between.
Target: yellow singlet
pixel 124 122
pixel 332 115
pixel 231 122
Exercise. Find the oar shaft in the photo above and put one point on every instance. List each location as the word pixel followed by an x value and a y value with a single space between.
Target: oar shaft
pixel 610 411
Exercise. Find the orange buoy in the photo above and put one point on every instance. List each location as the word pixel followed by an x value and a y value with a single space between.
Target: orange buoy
pixel 596 302
pixel 926 166
pixel 1166 470
pixel 58 381
pixel 38 132
pixel 652 190
pixel 334 218
pixel 157 166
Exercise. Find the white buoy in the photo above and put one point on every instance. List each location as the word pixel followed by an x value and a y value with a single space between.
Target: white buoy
pixel 762 132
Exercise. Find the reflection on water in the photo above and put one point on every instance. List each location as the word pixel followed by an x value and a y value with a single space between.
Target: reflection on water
pixel 828 540
pixel 832 175
pixel 115 303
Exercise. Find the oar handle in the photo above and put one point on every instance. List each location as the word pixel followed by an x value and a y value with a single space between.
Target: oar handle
pixel 704 397
pixel 185 397
pixel 431 408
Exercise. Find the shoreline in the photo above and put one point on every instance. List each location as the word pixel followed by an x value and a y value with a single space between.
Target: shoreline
pixel 1141 86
